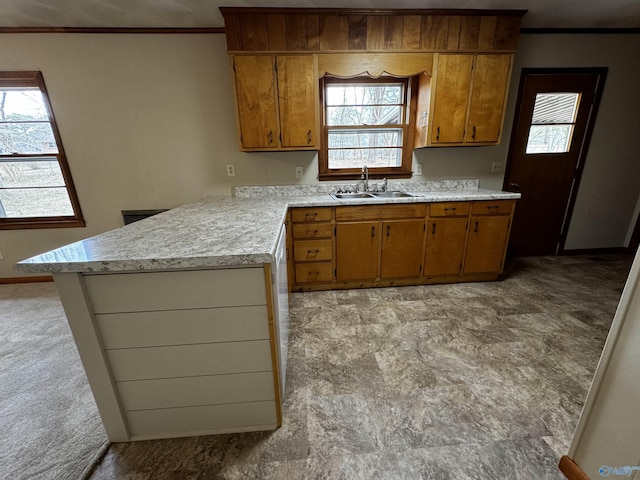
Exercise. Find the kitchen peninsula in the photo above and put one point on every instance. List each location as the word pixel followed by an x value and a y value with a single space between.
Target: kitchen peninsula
pixel 181 320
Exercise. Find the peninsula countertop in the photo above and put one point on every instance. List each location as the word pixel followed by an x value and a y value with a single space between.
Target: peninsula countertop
pixel 213 232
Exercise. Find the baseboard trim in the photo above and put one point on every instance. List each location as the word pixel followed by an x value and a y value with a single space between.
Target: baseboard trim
pixel 10 280
pixel 571 469
pixel 593 251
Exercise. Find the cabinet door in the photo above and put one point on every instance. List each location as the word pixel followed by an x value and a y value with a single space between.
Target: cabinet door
pixel 446 238
pixel 357 250
pixel 486 245
pixel 487 99
pixel 450 98
pixel 402 242
pixel 297 100
pixel 256 97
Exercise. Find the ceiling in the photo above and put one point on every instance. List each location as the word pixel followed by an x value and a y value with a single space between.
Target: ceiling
pixel 205 13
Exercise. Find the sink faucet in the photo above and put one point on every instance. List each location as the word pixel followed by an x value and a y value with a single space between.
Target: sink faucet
pixel 365 177
pixel 384 185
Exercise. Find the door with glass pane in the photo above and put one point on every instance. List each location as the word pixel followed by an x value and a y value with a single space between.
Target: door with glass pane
pixel 552 125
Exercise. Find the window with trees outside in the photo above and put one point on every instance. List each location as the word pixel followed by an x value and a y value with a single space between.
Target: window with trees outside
pixel 36 189
pixel 552 122
pixel 366 123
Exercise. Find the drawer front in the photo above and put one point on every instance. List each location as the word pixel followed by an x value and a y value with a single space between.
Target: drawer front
pixel 190 360
pixel 312 250
pixel 315 214
pixel 376 212
pixel 314 272
pixel 449 209
pixel 312 230
pixel 143 292
pixel 227 417
pixel 494 207
pixel 183 327
pixel 193 391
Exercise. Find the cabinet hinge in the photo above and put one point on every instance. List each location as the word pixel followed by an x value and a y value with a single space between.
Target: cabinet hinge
pixel 335 272
pixel 276 65
pixel 424 227
pixel 466 227
pixel 420 269
pixel 234 66
pixel 335 231
pixel 280 137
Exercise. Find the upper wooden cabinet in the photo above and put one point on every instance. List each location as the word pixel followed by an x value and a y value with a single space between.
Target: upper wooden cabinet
pixel 277 98
pixel 465 100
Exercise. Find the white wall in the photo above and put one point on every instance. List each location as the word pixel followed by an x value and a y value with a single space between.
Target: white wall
pixel 148 121
pixel 608 431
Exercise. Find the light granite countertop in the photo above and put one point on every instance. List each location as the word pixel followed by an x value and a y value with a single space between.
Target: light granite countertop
pixel 215 232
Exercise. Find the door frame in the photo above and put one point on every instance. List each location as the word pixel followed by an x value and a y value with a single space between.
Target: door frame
pixel 602 75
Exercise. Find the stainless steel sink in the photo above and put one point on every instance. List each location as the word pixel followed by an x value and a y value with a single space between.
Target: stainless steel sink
pixel 361 195
pixel 343 196
pixel 391 194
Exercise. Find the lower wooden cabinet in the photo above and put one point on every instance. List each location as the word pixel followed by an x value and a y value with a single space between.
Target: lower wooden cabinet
pixel 446 240
pixel 399 244
pixel 487 244
pixel 357 251
pixel 402 242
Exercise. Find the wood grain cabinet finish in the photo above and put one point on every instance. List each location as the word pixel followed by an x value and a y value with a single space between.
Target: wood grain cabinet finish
pixel 388 245
pixel 312 240
pixel 400 244
pixel 489 227
pixel 277 101
pixel 466 100
pixel 446 238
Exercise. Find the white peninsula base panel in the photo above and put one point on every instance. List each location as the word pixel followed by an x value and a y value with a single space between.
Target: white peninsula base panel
pixel 178 353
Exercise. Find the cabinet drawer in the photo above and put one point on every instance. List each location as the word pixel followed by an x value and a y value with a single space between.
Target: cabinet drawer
pixel 314 230
pixel 376 212
pixel 314 272
pixel 312 250
pixel 496 207
pixel 449 209
pixel 319 214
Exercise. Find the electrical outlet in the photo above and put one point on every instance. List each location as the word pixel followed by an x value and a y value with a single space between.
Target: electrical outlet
pixel 299 172
pixel 496 167
pixel 1 256
pixel 231 170
pixel 418 171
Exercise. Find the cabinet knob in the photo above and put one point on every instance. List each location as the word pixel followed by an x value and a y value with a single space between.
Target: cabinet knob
pixel 309 136
pixel 373 232
pixel 476 228
pixel 270 137
pixel 473 133
pixel 438 133
pixel 433 229
pixel 388 230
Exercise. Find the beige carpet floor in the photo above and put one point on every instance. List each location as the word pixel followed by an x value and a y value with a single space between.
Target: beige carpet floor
pixel 49 424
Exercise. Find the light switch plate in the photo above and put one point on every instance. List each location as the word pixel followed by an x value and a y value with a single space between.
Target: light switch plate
pixel 496 167
pixel 418 171
pixel 1 256
pixel 299 172
pixel 231 170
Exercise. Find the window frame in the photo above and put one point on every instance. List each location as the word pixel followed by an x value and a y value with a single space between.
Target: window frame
pixel 34 79
pixel 408 129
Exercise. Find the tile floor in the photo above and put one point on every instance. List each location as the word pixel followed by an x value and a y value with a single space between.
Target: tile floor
pixel 465 381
